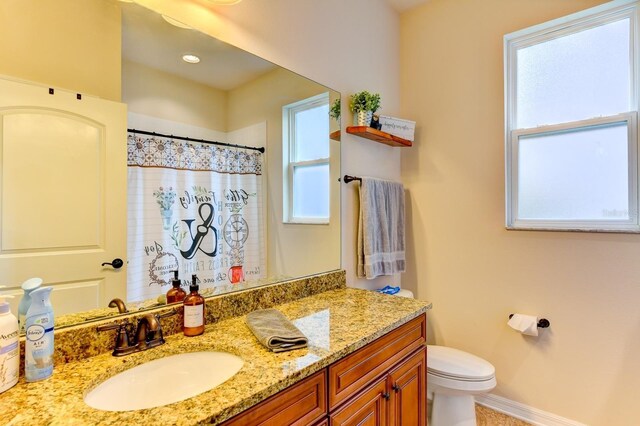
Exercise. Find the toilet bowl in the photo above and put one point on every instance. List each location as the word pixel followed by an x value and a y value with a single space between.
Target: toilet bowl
pixel 453 378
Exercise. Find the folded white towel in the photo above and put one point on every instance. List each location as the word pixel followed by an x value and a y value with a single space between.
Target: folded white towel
pixel 380 228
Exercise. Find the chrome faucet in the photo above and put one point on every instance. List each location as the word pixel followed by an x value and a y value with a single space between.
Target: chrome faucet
pixel 148 334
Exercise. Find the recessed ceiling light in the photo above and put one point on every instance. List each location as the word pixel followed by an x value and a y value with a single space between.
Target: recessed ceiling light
pixel 192 59
pixel 175 22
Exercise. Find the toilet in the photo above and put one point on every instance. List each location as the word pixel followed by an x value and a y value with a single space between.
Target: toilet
pixel 453 378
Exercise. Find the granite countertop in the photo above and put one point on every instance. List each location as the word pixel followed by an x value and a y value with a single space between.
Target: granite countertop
pixel 337 322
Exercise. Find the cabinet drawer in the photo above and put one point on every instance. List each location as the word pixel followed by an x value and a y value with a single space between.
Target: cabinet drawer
pixel 304 403
pixel 356 371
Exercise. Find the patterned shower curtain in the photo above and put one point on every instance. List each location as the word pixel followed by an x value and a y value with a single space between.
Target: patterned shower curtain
pixel 195 208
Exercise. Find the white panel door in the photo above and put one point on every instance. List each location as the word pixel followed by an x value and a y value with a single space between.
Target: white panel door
pixel 63 194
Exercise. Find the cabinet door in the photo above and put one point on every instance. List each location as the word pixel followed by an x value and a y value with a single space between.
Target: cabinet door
pixel 369 408
pixel 304 403
pixel 357 370
pixel 407 384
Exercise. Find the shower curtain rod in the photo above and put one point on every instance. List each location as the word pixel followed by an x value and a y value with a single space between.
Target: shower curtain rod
pixel 184 138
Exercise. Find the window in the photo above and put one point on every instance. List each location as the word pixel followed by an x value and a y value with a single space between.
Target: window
pixel 571 136
pixel 306 160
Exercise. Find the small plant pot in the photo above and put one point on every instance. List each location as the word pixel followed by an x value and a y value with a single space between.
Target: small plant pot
pixel 362 118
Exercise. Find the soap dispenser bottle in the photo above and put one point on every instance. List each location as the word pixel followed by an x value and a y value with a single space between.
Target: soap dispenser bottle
pixel 176 293
pixel 193 310
pixel 38 352
pixel 9 346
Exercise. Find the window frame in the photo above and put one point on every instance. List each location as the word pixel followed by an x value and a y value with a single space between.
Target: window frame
pixel 590 18
pixel 289 153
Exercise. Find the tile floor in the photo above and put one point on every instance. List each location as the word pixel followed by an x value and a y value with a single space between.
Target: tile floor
pixel 488 417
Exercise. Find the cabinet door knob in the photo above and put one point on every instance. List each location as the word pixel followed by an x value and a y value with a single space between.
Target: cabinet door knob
pixel 386 395
pixel 115 263
pixel 395 387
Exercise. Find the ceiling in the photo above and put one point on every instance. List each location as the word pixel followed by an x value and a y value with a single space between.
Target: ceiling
pixel 149 40
pixel 402 5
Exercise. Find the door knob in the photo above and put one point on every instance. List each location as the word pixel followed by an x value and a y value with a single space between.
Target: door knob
pixel 386 395
pixel 395 387
pixel 115 263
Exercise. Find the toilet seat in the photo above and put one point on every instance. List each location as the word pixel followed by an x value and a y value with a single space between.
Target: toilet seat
pixel 454 378
pixel 454 364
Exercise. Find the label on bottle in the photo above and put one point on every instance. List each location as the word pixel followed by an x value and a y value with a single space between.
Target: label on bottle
pixel 39 349
pixel 194 316
pixel 9 359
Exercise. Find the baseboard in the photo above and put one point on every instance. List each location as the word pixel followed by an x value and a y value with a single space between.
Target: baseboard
pixel 524 412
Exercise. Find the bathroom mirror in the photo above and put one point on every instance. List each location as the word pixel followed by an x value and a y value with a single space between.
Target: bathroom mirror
pixel 274 216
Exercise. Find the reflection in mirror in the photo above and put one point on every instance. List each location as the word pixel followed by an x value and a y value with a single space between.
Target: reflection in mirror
pixel 227 161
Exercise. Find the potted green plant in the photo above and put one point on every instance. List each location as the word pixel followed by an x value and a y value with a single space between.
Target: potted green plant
pixel 363 105
pixel 334 111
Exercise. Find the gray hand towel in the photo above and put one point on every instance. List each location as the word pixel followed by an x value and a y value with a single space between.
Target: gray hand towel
pixel 275 331
pixel 380 228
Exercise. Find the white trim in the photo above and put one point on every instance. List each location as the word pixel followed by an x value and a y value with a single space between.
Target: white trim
pixel 630 225
pixel 571 24
pixel 584 15
pixel 524 412
pixel 289 152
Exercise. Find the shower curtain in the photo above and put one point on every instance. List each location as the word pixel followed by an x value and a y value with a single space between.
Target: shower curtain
pixel 195 208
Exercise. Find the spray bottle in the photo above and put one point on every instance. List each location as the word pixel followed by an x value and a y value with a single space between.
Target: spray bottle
pixel 38 359
pixel 9 346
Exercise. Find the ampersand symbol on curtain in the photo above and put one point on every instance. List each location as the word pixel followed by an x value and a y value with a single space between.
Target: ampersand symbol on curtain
pixel 202 231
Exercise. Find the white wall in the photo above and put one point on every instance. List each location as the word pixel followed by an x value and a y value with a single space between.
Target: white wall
pixel 150 91
pixel 346 45
pixel 585 367
pixel 37 45
pixel 294 250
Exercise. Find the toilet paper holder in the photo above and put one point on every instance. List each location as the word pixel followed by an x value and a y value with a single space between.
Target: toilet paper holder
pixel 542 322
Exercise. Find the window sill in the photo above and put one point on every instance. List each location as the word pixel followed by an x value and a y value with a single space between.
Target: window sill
pixel 306 222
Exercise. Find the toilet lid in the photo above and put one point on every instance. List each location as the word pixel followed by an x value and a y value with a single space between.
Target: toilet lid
pixel 455 363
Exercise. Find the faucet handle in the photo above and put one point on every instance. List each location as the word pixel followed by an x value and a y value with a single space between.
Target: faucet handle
pixel 123 344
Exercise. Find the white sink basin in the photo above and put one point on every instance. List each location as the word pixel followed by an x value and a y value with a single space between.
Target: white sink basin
pixel 164 381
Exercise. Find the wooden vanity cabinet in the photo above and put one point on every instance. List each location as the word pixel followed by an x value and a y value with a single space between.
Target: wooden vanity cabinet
pixel 407 387
pixel 381 384
pixel 398 398
pixel 304 403
pixel 368 407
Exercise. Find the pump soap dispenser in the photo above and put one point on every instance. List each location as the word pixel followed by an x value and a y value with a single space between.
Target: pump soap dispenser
pixel 193 310
pixel 176 293
pixel 38 356
pixel 9 346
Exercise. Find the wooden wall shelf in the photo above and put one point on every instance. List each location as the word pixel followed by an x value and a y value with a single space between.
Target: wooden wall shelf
pixel 378 136
pixel 335 135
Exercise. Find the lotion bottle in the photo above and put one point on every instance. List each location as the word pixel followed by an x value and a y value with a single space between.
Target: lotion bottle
pixel 193 310
pixel 38 353
pixel 176 293
pixel 9 346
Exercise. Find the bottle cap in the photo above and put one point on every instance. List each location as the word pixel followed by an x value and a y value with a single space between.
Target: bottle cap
pixel 4 305
pixel 31 283
pixel 175 282
pixel 194 283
